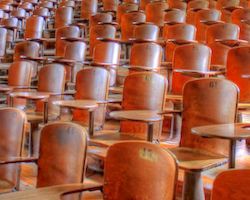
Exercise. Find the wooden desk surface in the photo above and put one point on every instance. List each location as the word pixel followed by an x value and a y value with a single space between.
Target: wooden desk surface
pixel 46 193
pixel 137 115
pixel 225 131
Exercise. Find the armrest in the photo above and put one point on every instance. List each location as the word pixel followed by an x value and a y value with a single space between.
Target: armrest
pixel 174 97
pixel 140 68
pixel 9 27
pixel 165 112
pixel 231 8
pixel 136 115
pixel 231 42
pixel 38 39
pixel 209 22
pixel 246 76
pixel 218 68
pixel 196 73
pixel 77 104
pixel 181 42
pixel 74 39
pixel 9 160
pixel 243 106
pixel 33 58
pixel 31 95
pixel 52 192
pixel 136 40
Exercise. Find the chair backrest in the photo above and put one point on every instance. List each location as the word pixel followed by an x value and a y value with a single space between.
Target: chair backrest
pixel 109 53
pixel 185 32
pixel 127 20
pixel 222 31
pixel 198 4
pixel 174 15
pixel 19 13
pixel 226 3
pixel 190 57
pixel 41 12
pixel 219 53
pixel 12 123
pixel 34 27
pixel 100 31
pixel 67 31
pixel 231 184
pixel 10 22
pixel 240 14
pixel 179 32
pixel 20 73
pixel 144 91
pixel 71 4
pixel 51 78
pixel 100 17
pixel 110 5
pixel 63 16
pixel 89 7
pixel 62 154
pixel 178 5
pixel 93 84
pixel 208 101
pixel 123 171
pixel 124 8
pixel 205 15
pixel 146 55
pixel 238 64
pixel 146 31
pixel 26 48
pixel 75 51
pixel 3 37
pixel 155 12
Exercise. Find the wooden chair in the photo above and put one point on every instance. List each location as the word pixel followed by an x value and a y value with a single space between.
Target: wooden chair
pixel 193 7
pixel 238 64
pixel 155 100
pixel 107 55
pixel 174 16
pixel 231 184
pixel 100 18
pixel 53 166
pixel 177 35
pixel 88 8
pixel 197 154
pixel 127 23
pixel 53 73
pixel 27 50
pixel 66 32
pixel 11 24
pixel 12 130
pixel 203 19
pixel 146 31
pixel 3 37
pixel 222 31
pixel 178 5
pixel 155 12
pixel 137 154
pixel 241 17
pixel 74 55
pixel 110 5
pixel 63 16
pixel 226 7
pixel 92 83
pixel 124 8
pixel 145 56
pixel 195 57
pixel 240 14
pixel 100 31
